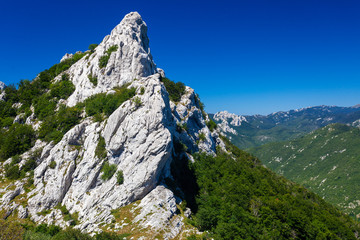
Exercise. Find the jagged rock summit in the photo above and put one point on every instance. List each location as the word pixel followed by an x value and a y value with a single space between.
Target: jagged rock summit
pixel 138 140
pixel 130 60
pixel 2 86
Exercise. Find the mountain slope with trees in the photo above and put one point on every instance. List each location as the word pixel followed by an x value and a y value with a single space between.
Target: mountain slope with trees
pixel 327 161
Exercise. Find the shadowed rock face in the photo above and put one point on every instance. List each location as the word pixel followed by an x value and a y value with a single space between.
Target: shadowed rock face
pixel 139 140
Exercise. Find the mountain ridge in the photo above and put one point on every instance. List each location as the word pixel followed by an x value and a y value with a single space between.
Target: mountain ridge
pixel 255 130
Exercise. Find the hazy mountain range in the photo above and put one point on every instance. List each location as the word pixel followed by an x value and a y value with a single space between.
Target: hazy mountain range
pixel 255 130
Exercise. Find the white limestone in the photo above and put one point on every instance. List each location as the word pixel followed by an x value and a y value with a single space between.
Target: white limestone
pixel 132 60
pixel 139 141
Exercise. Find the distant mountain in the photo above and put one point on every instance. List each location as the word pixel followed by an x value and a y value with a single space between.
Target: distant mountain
pixel 251 131
pixel 327 161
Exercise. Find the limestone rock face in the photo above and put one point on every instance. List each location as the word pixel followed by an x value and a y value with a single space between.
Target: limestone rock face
pixel 132 60
pixel 227 120
pixel 139 141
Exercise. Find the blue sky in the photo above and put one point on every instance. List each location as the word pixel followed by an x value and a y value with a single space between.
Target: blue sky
pixel 247 57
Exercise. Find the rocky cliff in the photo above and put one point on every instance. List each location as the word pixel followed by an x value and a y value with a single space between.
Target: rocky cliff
pixel 138 139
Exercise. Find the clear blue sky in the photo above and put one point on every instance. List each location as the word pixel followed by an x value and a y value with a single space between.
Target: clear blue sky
pixel 247 57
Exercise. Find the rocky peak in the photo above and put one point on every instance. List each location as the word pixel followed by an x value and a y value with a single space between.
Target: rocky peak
pixel 236 120
pixel 66 56
pixel 2 86
pixel 128 57
pixel 140 141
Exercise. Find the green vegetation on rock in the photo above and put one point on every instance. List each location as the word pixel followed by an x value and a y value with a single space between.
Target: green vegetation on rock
pixel 108 171
pixel 56 125
pixel 103 104
pixel 103 60
pixel 120 177
pixel 93 79
pixel 62 89
pixel 175 90
pixel 100 150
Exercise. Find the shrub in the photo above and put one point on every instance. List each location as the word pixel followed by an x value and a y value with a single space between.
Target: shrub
pixel 107 104
pixel 202 137
pixel 64 65
pixel 100 150
pixel 120 177
pixel 93 46
pixel 103 60
pixel 6 122
pixel 30 235
pixel 55 126
pixel 12 172
pixel 52 164
pixel 137 102
pixel 44 106
pixel 200 105
pixel 211 125
pixel 62 89
pixel 71 234
pixel 27 92
pixel 93 79
pixel 111 49
pixel 18 139
pixel 175 90
pixel 142 90
pixel 64 210
pixel 108 171
pixel 29 165
pixel 111 236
